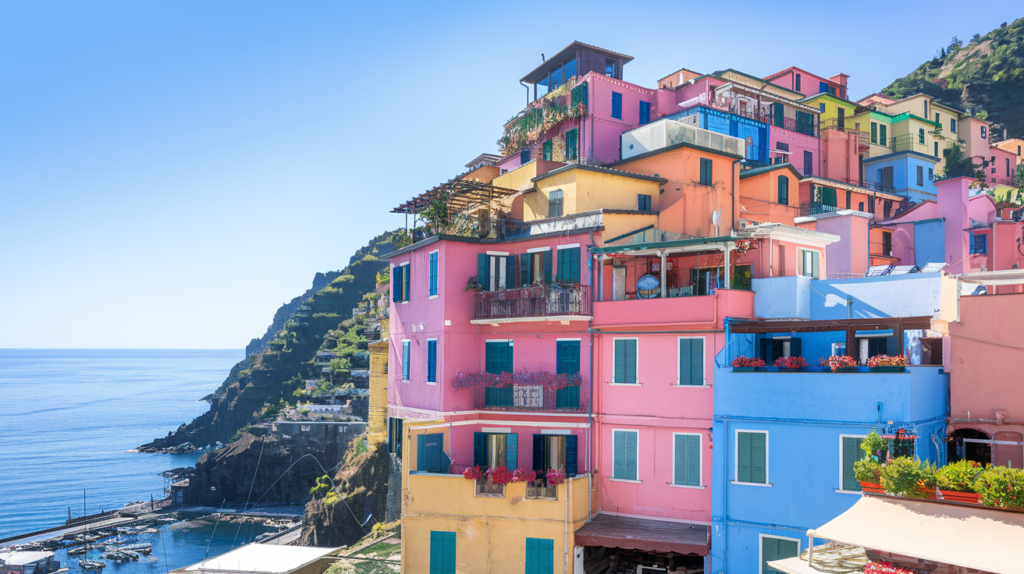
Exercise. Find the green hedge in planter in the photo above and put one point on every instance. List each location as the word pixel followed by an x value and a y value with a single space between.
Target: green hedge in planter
pixel 905 476
pixel 1001 487
pixel 959 476
pixel 867 470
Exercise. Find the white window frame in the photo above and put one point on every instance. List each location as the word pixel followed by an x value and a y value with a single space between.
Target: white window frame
pixel 700 450
pixel 538 249
pixel 437 366
pixel 637 339
pixel 612 477
pixel 760 547
pixel 438 251
pixel 408 295
pixel 401 362
pixel 569 246
pixel 841 437
pixel 704 380
pixel 804 272
pixel 736 458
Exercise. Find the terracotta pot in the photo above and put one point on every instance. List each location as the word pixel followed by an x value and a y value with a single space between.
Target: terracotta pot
pixel 929 493
pixel 967 497
pixel 871 487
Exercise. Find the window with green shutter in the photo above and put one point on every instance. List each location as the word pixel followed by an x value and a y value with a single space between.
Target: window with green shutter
pixel 624 455
pixel 851 454
pixel 752 457
pixel 499 357
pixel 442 552
pixel 432 361
pixel 568 265
pixel 691 361
pixel 405 360
pixel 433 273
pixel 874 132
pixel 881 134
pixel 572 144
pixel 546 151
pixel 567 362
pixel 783 190
pixel 624 362
pixel 540 556
pixel 686 460
pixel 706 175
pixel 773 549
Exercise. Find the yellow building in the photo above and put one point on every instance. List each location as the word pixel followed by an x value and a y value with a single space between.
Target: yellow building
pixel 835 112
pixel 466 526
pixel 943 120
pixel 377 425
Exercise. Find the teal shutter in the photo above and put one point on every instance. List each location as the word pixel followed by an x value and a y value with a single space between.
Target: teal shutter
pixel 568 357
pixel 540 556
pixel 546 153
pixel 571 144
pixel 442 552
pixel 814 264
pixel 625 361
pixel 571 455
pixel 480 449
pixel 620 362
pixel 779 115
pixel 851 452
pixel 449 553
pixel 619 454
pixel 483 270
pixel 691 362
pixel 498 358
pixel 405 360
pixel 630 365
pixel 743 457
pixel 396 282
pixel 524 269
pixel 547 266
pixel 433 273
pixel 574 265
pixel 693 460
pixel 510 272
pixel 431 361
pixel 512 451
pixel 631 455
pixel 406 282
pixel 776 549
pixel 757 458
pixel 881 134
pixel 421 453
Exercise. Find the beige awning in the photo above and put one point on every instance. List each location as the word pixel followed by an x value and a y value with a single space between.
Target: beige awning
pixel 971 537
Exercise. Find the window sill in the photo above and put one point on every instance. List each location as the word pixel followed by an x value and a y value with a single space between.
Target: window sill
pixel 857 492
pixel 626 480
pixel 624 384
pixel 406 382
pixel 686 486
pixel 738 483
pixel 431 383
pixel 432 297
pixel 691 386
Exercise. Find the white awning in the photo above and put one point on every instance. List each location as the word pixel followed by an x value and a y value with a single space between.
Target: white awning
pixel 1003 277
pixel 971 537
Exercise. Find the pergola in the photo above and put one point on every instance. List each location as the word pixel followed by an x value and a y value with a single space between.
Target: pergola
pixel 459 194
pixel 897 324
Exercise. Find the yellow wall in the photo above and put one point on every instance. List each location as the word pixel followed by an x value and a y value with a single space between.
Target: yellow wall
pixel 377 427
pixel 586 190
pixel 616 224
pixel 832 106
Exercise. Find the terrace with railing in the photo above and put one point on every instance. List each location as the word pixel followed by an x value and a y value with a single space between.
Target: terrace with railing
pixel 546 302
pixel 572 398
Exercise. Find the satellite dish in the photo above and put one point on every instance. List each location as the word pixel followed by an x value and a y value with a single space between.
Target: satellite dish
pixel 715 215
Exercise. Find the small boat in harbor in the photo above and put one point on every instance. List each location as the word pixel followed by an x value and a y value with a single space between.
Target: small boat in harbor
pixel 120 555
pixel 92 565
pixel 139 548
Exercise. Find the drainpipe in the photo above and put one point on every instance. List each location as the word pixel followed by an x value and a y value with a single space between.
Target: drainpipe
pixel 732 208
pixel 527 91
pixel 565 544
pixel 590 404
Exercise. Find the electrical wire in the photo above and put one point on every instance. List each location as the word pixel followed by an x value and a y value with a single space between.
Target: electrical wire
pixel 263 443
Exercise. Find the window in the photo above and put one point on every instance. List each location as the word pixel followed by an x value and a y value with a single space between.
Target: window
pixel 822 88
pixel 778 115
pixel 752 457
pixel 431 360
pixel 567 362
pixel 540 556
pixel 810 260
pixel 624 362
pixel 952 125
pixel 572 144
pixel 400 283
pixel 979 243
pixel 624 454
pixel 920 135
pixel 841 119
pixel 936 147
pixel 556 78
pixel 433 273
pixel 610 67
pixel 492 450
pixel 828 198
pixel 849 199
pixel 850 453
pixel 691 361
pixel 535 267
pixel 442 552
pixel 1007 167
pixel 617 105
pixel 882 139
pixel 555 203
pixel 783 190
pixel 643 202
pixel 645 113
pixel 546 151
pixel 926 108
pixel 798 82
pixel 821 107
pixel 920 175
pixel 497 360
pixel 937 120
pixel 782 157
pixel 887 243
pixel 686 459
pixel 984 132
pixel 860 206
pixel 569 265
pixel 395 435
pixel 569 69
pixel 705 171
pixel 496 271
pixel 808 163
pixel 874 133
pixel 556 452
pixel 405 360
pixel 931 174
pixel 774 548
pixel 430 456
pixel 524 157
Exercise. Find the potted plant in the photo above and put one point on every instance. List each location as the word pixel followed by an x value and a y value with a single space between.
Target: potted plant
pixel 743 364
pixel 554 477
pixel 887 364
pixel 472 284
pixel 867 472
pixel 524 475
pixel 1001 487
pixel 956 481
pixel 790 363
pixel 840 363
pixel 909 477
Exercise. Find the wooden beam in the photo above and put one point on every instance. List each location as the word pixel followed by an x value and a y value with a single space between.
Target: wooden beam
pixel 876 323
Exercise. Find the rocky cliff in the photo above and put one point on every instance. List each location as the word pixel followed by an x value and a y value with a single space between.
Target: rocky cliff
pixel 284 312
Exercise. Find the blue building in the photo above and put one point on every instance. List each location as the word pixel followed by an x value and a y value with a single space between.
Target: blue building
pixel 730 124
pixel 784 443
pixel 909 173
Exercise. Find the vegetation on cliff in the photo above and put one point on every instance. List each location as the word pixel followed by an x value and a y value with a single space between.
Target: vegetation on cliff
pixel 984 75
pixel 260 384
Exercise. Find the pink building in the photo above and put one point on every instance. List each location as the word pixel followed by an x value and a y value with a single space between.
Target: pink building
pixel 808 84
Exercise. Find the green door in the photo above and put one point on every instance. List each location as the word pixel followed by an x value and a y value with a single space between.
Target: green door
pixel 540 556
pixel 442 552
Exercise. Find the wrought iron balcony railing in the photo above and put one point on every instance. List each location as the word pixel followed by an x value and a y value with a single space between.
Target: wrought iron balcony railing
pixel 530 398
pixel 535 301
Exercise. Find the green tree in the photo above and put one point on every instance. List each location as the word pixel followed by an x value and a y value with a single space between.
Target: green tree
pixel 958 164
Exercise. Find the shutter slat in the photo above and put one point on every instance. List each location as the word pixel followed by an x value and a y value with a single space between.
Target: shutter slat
pixel 483 271
pixel 511 451
pixel 697 361
pixel 547 266
pixel 480 449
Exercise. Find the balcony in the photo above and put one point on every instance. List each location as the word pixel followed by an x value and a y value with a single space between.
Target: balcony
pixel 532 398
pixel 512 229
pixel 693 309
pixel 667 132
pixel 551 302
pixel 454 495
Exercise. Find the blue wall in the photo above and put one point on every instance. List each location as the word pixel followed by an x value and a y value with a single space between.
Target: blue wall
pixel 805 414
pixel 904 173
pixel 929 242
pixel 733 125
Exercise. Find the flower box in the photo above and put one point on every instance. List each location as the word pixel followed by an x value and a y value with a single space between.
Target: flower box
pixel 847 370
pixel 744 369
pixel 485 488
pixel 871 487
pixel 888 369
pixel 965 497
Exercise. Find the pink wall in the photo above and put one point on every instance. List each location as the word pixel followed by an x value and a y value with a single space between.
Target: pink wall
pixel 839 158
pixel 952 204
pixel 903 243
pixel 847 257
pixel 798 144
pixel 809 83
pixel 1000 177
pixel 969 131
pixel 602 131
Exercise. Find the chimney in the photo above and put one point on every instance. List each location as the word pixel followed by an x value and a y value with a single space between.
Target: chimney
pixel 1000 417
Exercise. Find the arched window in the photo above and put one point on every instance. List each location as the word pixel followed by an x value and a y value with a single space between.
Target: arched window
pixel 783 190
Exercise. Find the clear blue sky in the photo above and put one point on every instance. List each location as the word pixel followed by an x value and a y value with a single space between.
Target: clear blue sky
pixel 172 171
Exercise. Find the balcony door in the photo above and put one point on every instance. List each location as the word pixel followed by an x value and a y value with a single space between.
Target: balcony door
pixel 556 452
pixel 841 120
pixel 496 271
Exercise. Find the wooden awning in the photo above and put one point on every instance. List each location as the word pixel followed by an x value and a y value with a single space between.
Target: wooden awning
pixel 897 324
pixel 458 193
pixel 645 534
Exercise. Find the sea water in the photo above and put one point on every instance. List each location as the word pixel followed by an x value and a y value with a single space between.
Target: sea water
pixel 68 416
